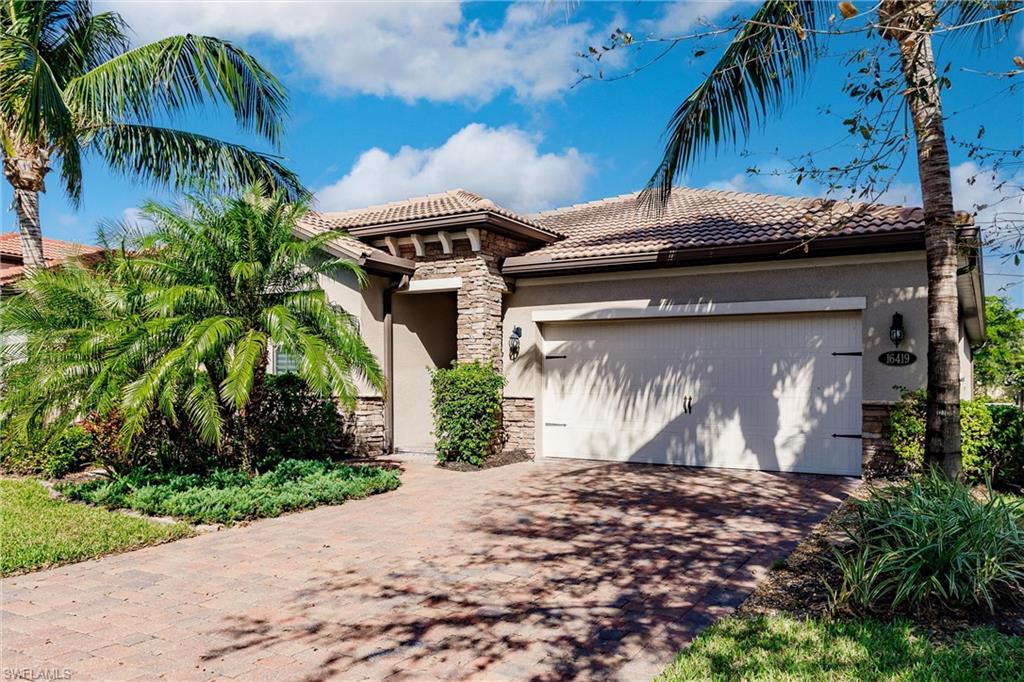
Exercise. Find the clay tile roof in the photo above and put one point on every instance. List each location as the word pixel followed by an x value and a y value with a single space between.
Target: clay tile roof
pixel 701 218
pixel 55 251
pixel 451 203
pixel 347 246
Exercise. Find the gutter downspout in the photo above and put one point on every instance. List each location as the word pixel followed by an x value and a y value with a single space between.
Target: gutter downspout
pixel 389 364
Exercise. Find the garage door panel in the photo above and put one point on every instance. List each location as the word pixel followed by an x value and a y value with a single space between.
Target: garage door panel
pixel 763 391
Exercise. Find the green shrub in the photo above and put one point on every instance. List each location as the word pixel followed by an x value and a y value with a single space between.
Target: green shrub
pixel 931 542
pixel 907 427
pixel 1005 449
pixel 228 496
pixel 56 456
pixel 467 411
pixel 297 423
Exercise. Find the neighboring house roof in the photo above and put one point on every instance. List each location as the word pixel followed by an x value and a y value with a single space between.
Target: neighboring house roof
pixel 694 222
pixel 451 208
pixel 346 246
pixel 55 251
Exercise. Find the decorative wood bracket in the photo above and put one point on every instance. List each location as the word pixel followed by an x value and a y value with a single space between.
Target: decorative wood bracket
pixel 417 243
pixel 446 241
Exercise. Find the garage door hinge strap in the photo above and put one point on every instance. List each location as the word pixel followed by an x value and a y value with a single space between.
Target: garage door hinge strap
pixel 554 357
pixel 847 435
pixel 857 353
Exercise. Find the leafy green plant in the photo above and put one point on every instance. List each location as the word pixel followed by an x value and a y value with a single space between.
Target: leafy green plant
pixel 297 422
pixel 999 363
pixel 467 411
pixel 56 456
pixel 993 438
pixel 229 496
pixel 176 327
pixel 1005 449
pixel 932 543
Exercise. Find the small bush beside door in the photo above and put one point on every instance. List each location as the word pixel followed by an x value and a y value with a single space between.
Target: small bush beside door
pixel 467 411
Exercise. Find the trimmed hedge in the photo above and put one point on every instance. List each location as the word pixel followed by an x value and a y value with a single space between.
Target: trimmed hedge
pixel 467 411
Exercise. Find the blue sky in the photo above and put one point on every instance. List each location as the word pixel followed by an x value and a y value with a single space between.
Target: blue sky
pixel 390 100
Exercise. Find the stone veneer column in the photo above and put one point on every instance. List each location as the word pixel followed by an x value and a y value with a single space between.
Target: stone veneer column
pixel 478 332
pixel 518 425
pixel 878 456
pixel 480 307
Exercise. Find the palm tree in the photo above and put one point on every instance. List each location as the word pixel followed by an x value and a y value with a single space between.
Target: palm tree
pixel 177 324
pixel 767 60
pixel 70 84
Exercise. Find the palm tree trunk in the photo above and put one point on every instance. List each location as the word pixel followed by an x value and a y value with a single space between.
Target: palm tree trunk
pixel 26 206
pixel 910 24
pixel 251 417
pixel 26 173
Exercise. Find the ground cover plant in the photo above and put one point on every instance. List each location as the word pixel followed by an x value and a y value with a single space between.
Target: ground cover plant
pixel 229 496
pixel 37 530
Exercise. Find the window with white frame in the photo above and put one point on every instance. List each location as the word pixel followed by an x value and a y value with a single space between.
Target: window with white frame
pixel 282 362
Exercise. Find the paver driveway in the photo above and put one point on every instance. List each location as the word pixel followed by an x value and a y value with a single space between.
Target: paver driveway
pixel 550 570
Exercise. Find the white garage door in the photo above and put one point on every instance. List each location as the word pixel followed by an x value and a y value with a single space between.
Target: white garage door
pixel 772 392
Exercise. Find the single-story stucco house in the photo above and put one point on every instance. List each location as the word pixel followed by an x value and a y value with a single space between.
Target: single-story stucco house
pixel 55 252
pixel 725 330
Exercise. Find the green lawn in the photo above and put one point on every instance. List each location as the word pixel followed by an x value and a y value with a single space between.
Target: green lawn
pixel 38 531
pixel 781 648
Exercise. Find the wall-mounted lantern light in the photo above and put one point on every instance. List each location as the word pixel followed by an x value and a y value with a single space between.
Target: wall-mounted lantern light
pixel 513 343
pixel 896 333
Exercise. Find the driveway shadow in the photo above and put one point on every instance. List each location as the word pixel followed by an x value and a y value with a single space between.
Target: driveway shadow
pixel 577 570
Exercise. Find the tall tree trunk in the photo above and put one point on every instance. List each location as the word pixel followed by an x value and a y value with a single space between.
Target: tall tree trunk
pixel 27 172
pixel 251 417
pixel 910 24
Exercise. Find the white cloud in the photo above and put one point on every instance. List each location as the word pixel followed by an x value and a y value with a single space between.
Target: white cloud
pixel 678 17
pixel 410 50
pixel 133 221
pixel 502 164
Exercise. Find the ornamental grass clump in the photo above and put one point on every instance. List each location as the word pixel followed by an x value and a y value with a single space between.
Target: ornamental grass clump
pixel 933 544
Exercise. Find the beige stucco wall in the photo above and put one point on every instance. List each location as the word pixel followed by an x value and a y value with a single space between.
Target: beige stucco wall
pixel 366 302
pixel 889 283
pixel 424 337
pixel 966 365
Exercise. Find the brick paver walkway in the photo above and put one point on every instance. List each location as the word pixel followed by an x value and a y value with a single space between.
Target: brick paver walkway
pixel 549 570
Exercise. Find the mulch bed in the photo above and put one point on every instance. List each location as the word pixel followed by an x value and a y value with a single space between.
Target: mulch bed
pixel 798 586
pixel 497 460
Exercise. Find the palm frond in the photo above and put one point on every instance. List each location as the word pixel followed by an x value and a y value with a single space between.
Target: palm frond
pixel 87 41
pixel 179 74
pixel 179 159
pixel 764 64
pixel 248 358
